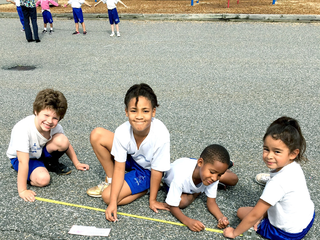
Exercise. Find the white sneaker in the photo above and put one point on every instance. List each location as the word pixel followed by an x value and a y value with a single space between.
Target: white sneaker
pixel 262 178
pixel 112 34
pixel 118 34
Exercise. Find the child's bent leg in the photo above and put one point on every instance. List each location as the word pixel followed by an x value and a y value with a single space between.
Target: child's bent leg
pixel 40 177
pixel 101 141
pixel 187 199
pixel 59 142
pixel 229 178
pixel 125 195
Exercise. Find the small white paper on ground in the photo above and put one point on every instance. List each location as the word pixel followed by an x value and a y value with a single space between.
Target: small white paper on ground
pixel 89 231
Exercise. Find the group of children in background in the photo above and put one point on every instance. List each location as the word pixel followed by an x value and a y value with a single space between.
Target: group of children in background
pixel 136 159
pixel 77 14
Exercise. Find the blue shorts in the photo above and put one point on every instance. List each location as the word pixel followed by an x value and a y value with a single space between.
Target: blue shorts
pixel 113 16
pixel 33 162
pixel 47 17
pixel 77 15
pixel 266 230
pixel 136 177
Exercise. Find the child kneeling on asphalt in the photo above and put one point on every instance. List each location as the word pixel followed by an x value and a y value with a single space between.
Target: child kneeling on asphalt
pixel 38 141
pixel 189 177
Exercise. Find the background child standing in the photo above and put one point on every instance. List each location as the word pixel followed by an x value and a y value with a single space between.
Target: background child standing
pixel 46 14
pixel 284 210
pixel 77 14
pixel 140 146
pixel 113 14
pixel 19 10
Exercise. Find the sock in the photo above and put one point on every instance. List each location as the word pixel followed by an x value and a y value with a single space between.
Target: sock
pixel 45 29
pixel 51 29
pixel 109 180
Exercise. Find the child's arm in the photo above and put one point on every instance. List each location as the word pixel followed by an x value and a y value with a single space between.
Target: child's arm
pixel 54 3
pixel 98 3
pixel 87 4
pixel 116 185
pixel 38 3
pixel 250 220
pixel 192 224
pixel 223 221
pixel 11 2
pixel 24 193
pixel 155 180
pixel 122 3
pixel 73 157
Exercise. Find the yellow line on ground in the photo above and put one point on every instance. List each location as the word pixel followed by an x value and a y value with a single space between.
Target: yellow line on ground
pixel 120 213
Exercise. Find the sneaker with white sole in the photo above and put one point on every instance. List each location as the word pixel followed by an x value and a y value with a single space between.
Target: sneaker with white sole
pixel 118 34
pixel 97 190
pixel 112 34
pixel 262 178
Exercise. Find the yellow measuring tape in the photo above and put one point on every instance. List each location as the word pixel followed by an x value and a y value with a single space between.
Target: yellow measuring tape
pixel 120 213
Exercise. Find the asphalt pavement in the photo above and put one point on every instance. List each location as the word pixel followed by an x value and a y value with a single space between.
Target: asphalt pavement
pixel 216 82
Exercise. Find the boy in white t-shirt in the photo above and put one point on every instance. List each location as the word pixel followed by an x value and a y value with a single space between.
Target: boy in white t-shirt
pixel 38 141
pixel 140 146
pixel 188 177
pixel 113 14
pixel 19 10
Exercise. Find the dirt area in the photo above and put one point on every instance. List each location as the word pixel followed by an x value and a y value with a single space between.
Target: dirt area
pixel 311 7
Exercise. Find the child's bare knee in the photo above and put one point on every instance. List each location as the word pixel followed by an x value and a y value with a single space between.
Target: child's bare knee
pixel 41 180
pixel 96 134
pixel 61 141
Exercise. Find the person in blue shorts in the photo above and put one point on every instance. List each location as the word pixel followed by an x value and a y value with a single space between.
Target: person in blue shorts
pixel 77 14
pixel 113 14
pixel 285 210
pixel 140 146
pixel 38 141
pixel 46 14
pixel 19 10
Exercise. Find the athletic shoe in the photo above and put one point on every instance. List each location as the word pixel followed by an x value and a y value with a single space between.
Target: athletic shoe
pixel 85 32
pixel 22 30
pixel 262 178
pixel 51 31
pixel 97 190
pixel 58 168
pixel 118 34
pixel 230 164
pixel 75 33
pixel 112 34
pixel 44 31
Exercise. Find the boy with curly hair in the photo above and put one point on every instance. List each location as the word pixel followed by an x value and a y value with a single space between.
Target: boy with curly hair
pixel 38 141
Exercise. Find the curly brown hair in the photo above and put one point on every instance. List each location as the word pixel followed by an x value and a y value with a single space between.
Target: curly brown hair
pixel 50 99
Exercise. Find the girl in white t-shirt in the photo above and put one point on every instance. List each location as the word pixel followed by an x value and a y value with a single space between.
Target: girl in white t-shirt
pixel 284 210
pixel 140 146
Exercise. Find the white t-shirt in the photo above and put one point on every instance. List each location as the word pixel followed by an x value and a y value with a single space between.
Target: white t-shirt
pixel 76 3
pixel 26 138
pixel 154 151
pixel 291 207
pixel 179 179
pixel 17 2
pixel 111 4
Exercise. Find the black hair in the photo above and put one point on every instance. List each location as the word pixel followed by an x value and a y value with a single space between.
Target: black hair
pixel 143 90
pixel 215 152
pixel 288 131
